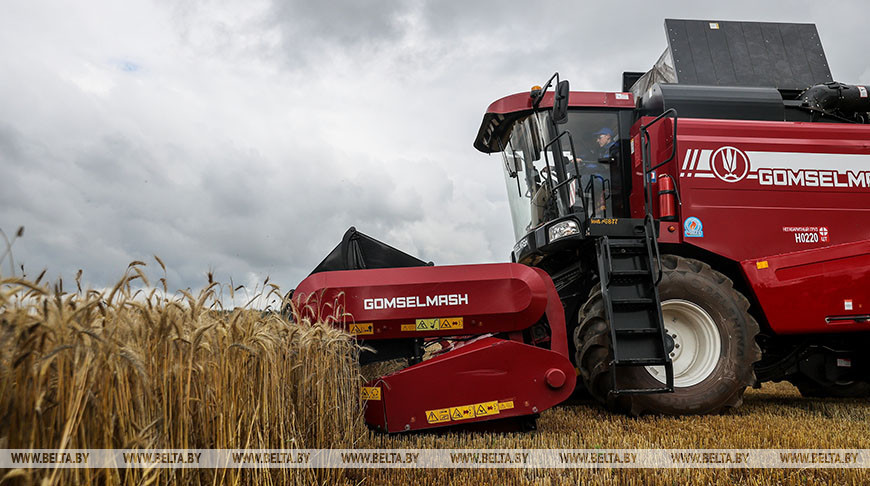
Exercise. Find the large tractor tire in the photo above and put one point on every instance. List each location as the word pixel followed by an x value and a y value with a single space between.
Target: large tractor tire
pixel 714 348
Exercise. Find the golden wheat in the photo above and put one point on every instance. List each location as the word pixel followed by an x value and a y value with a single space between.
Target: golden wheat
pixel 132 368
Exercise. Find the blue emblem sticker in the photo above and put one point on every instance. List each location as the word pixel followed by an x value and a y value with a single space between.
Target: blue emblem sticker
pixel 693 228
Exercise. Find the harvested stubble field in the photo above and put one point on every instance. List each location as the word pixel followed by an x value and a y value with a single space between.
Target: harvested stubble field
pixel 131 368
pixel 775 416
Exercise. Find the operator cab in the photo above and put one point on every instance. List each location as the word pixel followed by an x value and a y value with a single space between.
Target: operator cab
pixel 542 160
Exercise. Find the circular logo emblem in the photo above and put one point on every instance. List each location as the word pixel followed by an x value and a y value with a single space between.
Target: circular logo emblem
pixel 693 228
pixel 730 164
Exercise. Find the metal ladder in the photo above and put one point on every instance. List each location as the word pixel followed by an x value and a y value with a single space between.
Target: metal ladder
pixel 631 301
pixel 630 269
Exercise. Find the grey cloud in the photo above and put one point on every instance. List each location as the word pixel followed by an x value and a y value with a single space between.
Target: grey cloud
pixel 308 32
pixel 9 145
pixel 306 25
pixel 112 202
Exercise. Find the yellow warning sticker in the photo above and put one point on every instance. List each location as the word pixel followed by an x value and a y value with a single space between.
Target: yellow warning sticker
pixel 370 393
pixel 435 324
pixel 762 264
pixel 427 324
pixel 486 408
pixel 361 328
pixel 438 416
pixel 451 323
pixel 465 412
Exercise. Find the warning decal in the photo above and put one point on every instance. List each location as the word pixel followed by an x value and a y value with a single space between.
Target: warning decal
pixel 462 413
pixel 427 324
pixel 451 323
pixel 438 416
pixel 435 324
pixel 361 328
pixel 484 409
pixel 370 393
pixel 466 412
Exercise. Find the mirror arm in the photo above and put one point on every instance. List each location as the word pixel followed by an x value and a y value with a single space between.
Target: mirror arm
pixel 540 96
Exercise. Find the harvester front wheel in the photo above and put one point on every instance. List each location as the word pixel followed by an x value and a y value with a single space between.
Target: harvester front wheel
pixel 714 347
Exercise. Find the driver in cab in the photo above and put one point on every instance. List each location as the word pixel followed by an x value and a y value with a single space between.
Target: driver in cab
pixel 595 172
pixel 607 145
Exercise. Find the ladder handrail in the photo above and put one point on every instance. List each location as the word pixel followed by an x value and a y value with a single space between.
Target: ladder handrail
pixel 645 154
pixel 651 237
pixel 652 243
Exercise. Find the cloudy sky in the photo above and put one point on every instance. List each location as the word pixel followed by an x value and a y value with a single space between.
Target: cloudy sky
pixel 245 137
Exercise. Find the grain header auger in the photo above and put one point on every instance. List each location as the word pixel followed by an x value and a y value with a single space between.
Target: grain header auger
pixel 662 264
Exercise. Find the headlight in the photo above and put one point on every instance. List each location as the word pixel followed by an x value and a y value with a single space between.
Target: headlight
pixel 563 229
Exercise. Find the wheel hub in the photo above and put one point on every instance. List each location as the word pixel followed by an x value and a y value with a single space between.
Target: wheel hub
pixel 692 341
pixel 669 343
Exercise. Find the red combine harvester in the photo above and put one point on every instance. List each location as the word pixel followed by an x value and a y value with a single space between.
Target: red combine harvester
pixel 704 230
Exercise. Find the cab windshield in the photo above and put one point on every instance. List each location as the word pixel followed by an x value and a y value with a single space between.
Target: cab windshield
pixel 541 178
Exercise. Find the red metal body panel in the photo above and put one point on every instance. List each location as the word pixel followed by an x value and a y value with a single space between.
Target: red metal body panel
pixel 522 101
pixel 800 290
pixel 487 379
pixel 501 297
pixel 790 193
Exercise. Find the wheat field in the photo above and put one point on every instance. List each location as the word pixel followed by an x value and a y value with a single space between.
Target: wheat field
pixel 136 367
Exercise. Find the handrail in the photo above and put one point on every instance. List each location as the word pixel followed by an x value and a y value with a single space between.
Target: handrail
pixel 651 238
pixel 655 120
pixel 573 160
pixel 566 181
pixel 609 256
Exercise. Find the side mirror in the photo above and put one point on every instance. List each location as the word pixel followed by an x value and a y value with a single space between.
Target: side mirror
pixel 560 102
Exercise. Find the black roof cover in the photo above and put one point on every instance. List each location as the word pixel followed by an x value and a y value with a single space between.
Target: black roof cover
pixel 358 251
pixel 760 54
